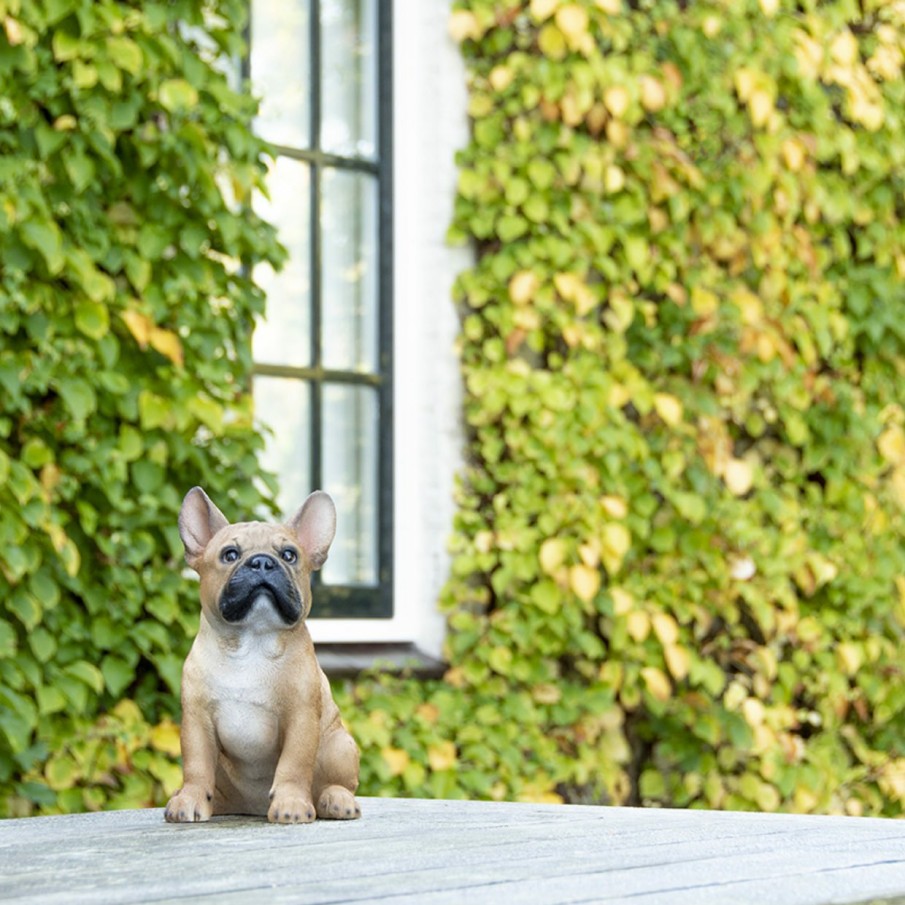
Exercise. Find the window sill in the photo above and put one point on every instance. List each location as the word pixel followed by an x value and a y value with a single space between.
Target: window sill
pixel 341 661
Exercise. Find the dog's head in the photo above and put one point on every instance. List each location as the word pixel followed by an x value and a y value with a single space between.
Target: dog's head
pixel 256 572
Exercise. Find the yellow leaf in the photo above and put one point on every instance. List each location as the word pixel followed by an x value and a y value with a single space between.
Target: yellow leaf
pixel 500 78
pixel 543 9
pixel 735 696
pixel 430 713
pixel 167 343
pixel 866 110
pixel 552 554
pixel 793 153
pixel 567 285
pixel 844 48
pixel 590 554
pixel 546 693
pixel 657 682
pixel 897 483
pixel 572 21
pixel 613 7
pixel 584 581
pixel 849 657
pixel 678 661
pixel 638 625
pixel 13 31
pixel 769 7
pixel 535 795
pixel 396 759
pixel 808 54
pixel 615 542
pixel 139 325
pixel 613 179
pixel 739 476
pixel 522 287
pixel 484 541
pixel 745 82
pixel 441 756
pixel 665 628
pixel 891 444
pixel 623 602
pixel 462 25
pixel 616 99
pixel 669 408
pixel 614 506
pixel 753 711
pixel 653 94
pixel 712 26
pixel 51 475
pixel 165 738
pixel 760 105
pixel 703 301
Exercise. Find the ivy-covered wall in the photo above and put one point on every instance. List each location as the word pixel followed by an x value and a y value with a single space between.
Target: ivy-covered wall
pixel 679 571
pixel 126 168
pixel 679 558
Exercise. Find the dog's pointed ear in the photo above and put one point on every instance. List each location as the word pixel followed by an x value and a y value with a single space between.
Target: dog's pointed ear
pixel 199 521
pixel 314 525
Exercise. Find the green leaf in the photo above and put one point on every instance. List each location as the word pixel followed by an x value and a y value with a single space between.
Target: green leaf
pixel 50 700
pixel 177 95
pixel 42 644
pixel 154 411
pixel 8 642
pixel 78 396
pixel 126 54
pixel 87 673
pixel 44 237
pixel 117 673
pixel 18 717
pixel 25 607
pixel 65 46
pixel 92 319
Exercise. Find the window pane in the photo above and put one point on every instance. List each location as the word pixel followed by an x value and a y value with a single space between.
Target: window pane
pixel 283 335
pixel 284 406
pixel 349 271
pixel 281 70
pixel 350 477
pixel 349 79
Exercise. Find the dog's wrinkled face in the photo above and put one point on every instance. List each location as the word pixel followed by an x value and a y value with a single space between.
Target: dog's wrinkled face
pixel 256 573
pixel 264 568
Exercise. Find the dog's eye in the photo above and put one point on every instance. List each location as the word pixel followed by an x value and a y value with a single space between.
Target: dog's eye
pixel 230 554
pixel 288 555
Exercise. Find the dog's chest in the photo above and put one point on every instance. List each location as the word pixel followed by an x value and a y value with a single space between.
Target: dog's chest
pixel 243 691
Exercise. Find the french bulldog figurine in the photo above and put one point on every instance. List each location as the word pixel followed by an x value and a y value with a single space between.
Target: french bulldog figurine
pixel 261 733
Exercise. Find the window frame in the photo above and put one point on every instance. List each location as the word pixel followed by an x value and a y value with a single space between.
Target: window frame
pixel 337 601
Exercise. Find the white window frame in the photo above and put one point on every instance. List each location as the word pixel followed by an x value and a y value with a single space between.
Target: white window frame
pixel 429 125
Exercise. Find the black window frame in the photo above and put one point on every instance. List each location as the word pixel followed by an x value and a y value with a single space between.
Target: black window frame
pixel 333 601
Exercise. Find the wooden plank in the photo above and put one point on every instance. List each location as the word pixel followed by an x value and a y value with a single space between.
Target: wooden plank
pixel 437 852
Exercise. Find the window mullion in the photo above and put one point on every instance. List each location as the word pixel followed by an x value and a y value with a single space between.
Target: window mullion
pixel 316 439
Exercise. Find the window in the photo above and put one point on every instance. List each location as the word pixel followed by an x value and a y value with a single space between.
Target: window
pixel 322 380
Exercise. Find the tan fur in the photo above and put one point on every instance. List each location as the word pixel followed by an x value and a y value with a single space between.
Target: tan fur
pixel 261 733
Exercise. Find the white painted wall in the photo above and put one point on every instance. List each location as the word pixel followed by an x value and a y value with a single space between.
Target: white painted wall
pixel 430 125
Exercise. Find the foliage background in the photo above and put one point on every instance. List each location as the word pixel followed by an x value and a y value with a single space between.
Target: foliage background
pixel 126 163
pixel 679 569
pixel 679 572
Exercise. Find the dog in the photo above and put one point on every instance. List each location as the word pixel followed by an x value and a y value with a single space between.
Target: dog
pixel 261 733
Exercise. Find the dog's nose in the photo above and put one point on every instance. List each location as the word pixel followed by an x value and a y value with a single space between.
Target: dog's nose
pixel 262 563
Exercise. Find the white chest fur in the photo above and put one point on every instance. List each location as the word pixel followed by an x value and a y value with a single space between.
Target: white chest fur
pixel 241 681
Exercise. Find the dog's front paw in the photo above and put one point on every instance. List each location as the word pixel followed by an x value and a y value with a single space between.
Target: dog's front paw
pixel 337 803
pixel 290 805
pixel 189 805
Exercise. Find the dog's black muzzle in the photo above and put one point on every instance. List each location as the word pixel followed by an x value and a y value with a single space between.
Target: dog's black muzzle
pixel 260 575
